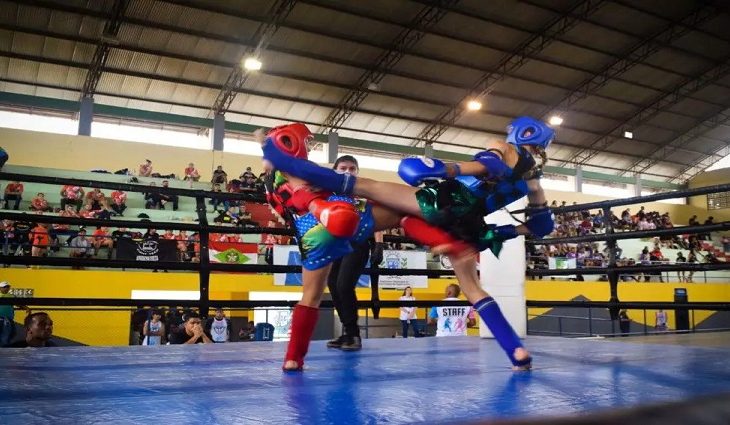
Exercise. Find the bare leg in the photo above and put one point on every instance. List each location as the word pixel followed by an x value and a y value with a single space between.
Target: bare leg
pixel 396 196
pixel 313 284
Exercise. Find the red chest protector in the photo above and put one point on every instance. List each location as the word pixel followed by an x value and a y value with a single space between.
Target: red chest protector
pixel 286 199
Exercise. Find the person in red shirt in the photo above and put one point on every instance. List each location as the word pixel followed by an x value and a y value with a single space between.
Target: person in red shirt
pixel 13 192
pixel 145 170
pixel 40 241
pixel 87 212
pixel 68 212
pixel 40 204
pixel 191 173
pixel 101 238
pixel 169 235
pixel 73 195
pixel 96 199
pixel 118 204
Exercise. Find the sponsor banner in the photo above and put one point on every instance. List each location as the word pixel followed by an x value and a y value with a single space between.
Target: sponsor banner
pixel 233 253
pixel 147 250
pixel 562 263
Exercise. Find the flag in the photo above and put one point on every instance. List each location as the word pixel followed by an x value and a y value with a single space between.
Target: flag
pixel 233 252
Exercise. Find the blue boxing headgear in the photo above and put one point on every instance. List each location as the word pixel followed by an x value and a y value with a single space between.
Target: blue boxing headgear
pixel 529 131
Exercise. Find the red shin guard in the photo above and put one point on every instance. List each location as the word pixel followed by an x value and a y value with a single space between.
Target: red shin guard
pixel 302 327
pixel 427 234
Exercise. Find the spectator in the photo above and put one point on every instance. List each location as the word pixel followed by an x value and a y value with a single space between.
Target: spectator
pixel 7 316
pixel 624 323
pixel 40 204
pixel 182 245
pixel 660 322
pixel 215 201
pixel 168 235
pixel 40 241
pixel 119 202
pixel 269 241
pixel 13 192
pixel 96 199
pixel 153 201
pixel 218 328
pixel 693 221
pixel 249 185
pixel 191 173
pixel 452 321
pixel 80 246
pixel 247 333
pixel 247 175
pixel 153 329
pixel 87 212
pixel 219 176
pixel 151 234
pixel 102 239
pixel 167 198
pixel 191 332
pixel 691 259
pixel 38 331
pixel 145 170
pixel 69 211
pixel 408 314
pixel 73 195
pixel 705 236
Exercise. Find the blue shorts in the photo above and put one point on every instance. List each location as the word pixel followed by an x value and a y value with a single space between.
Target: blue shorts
pixel 319 248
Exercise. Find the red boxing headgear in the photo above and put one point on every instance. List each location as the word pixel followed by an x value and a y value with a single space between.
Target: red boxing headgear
pixel 291 139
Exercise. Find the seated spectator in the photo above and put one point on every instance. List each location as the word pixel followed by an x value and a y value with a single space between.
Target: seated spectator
pixel 13 192
pixel 229 216
pixel 38 331
pixel 693 221
pixel 151 235
pixel 69 211
pixel 194 248
pixel 167 198
pixel 214 200
pixel 191 173
pixel 73 195
pixel 247 333
pixel 121 233
pixel 145 170
pixel 96 199
pixel 219 176
pixel 87 212
pixel 247 174
pixel 40 241
pixel 191 332
pixel 102 239
pixel 182 245
pixel 153 201
pixel 40 204
pixel 119 202
pixel 645 225
pixel 168 235
pixel 80 245
pixel 249 184
pixel 269 241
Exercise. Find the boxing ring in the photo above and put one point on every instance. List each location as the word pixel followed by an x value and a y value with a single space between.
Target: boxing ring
pixel 421 380
pixel 426 380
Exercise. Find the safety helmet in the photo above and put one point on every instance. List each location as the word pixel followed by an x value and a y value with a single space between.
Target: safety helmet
pixel 529 131
pixel 291 139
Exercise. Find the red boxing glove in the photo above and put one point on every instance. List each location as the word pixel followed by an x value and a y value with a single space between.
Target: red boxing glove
pixel 340 218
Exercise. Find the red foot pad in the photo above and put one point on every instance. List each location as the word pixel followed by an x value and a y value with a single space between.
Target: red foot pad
pixel 340 218
pixel 427 234
pixel 302 327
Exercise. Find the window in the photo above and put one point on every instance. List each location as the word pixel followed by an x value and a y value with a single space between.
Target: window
pixel 718 201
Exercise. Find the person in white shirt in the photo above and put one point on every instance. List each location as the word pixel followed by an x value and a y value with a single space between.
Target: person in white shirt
pixel 408 314
pixel 218 328
pixel 153 329
pixel 452 321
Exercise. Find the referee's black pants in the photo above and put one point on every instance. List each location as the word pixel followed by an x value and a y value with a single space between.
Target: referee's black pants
pixel 342 281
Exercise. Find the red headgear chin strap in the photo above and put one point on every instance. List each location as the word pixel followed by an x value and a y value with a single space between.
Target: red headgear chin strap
pixel 291 139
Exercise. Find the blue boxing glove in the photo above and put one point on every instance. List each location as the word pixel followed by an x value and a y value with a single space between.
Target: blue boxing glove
pixel 415 171
pixel 506 232
pixel 475 185
pixel 540 221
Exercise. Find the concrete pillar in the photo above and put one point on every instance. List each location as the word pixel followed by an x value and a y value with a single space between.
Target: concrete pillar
pixel 637 186
pixel 428 152
pixel 578 180
pixel 86 116
pixel 333 147
pixel 219 131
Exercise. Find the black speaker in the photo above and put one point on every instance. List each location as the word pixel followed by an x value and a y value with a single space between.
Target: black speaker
pixel 681 315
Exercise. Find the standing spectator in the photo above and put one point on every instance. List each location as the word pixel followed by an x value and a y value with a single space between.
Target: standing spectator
pixel 660 322
pixel 167 198
pixel 38 331
pixel 680 260
pixel 408 314
pixel 153 201
pixel 705 236
pixel 13 192
pixel 191 332
pixel 247 175
pixel 452 321
pixel 191 173
pixel 40 241
pixel 145 170
pixel 219 176
pixel 693 221
pixel 624 323
pixel 218 328
pixel 182 245
pixel 73 195
pixel 102 239
pixel 215 201
pixel 40 204
pixel 153 329
pixel 269 241
pixel 691 259
pixel 7 316
pixel 119 202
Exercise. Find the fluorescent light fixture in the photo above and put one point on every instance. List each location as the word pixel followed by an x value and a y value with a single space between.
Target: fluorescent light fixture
pixel 628 135
pixel 252 64
pixel 474 105
pixel 556 120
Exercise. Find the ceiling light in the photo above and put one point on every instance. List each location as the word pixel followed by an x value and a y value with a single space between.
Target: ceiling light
pixel 252 64
pixel 474 105
pixel 628 135
pixel 556 120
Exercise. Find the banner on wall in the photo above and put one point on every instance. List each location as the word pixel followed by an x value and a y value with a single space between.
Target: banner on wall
pixel 562 263
pixel 233 252
pixel 146 250
pixel 289 255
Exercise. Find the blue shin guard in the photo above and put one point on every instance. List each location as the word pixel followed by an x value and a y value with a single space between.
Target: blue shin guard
pixel 315 175
pixel 490 312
